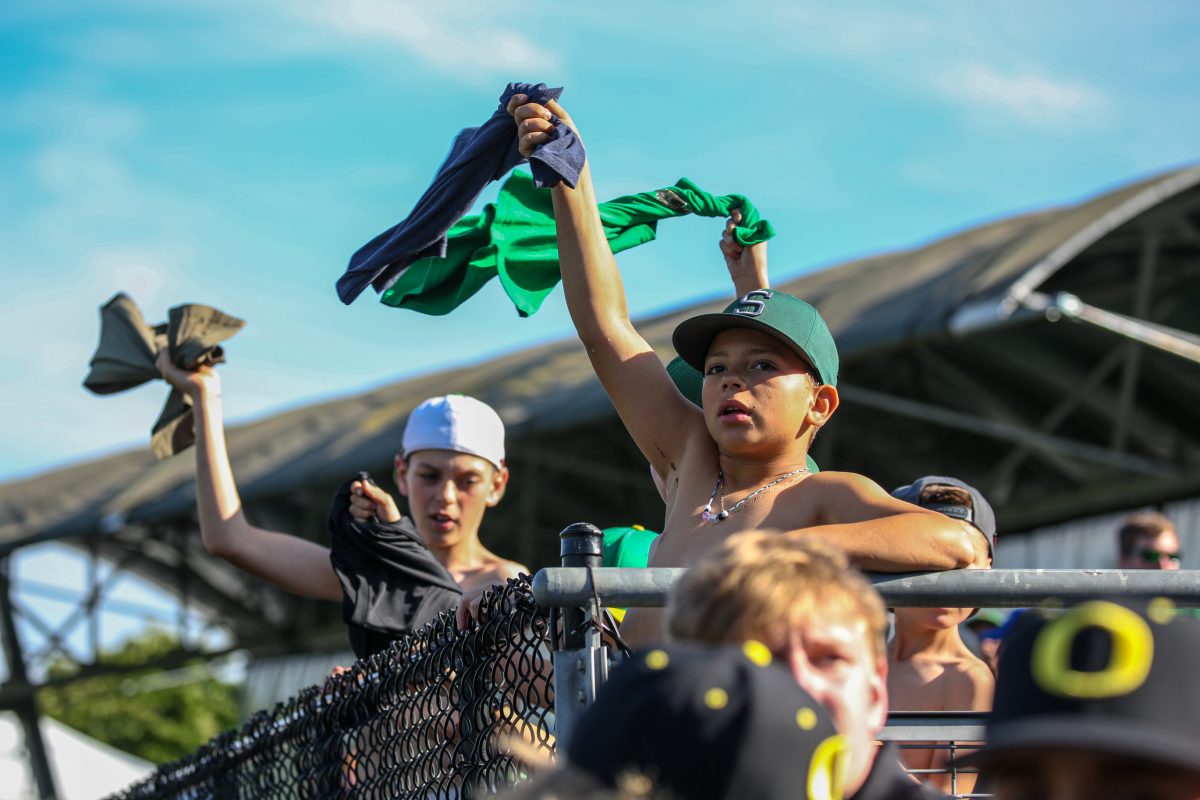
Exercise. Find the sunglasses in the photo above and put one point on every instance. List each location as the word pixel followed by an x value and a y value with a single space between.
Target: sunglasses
pixel 1155 556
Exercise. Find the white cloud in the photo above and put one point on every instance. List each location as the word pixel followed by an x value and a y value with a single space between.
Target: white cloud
pixel 453 37
pixel 960 54
pixel 471 43
pixel 1029 95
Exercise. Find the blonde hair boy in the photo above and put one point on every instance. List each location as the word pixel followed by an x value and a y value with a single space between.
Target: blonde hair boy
pixel 800 597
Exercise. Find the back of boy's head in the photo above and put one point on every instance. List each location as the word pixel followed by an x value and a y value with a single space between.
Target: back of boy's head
pixel 950 495
pixel 953 498
pixel 779 314
pixel 759 585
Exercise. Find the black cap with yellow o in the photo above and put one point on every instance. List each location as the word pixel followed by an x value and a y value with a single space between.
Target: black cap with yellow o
pixel 711 722
pixel 1102 678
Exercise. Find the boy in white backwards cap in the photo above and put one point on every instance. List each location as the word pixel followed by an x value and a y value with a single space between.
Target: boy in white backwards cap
pixel 391 573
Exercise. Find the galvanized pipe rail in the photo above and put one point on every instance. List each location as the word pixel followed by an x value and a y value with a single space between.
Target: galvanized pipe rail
pixel 995 588
pixel 580 662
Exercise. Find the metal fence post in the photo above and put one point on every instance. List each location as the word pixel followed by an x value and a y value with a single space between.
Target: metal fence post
pixel 580 661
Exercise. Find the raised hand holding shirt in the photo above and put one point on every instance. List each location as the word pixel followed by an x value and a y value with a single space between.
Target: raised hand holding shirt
pixel 477 157
pixel 124 359
pixel 514 238
pixel 391 582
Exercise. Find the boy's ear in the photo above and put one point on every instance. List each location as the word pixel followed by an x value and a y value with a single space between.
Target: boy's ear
pixel 499 487
pixel 825 402
pixel 400 474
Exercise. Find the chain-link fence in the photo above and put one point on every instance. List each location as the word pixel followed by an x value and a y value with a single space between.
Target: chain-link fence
pixel 442 713
pixel 437 715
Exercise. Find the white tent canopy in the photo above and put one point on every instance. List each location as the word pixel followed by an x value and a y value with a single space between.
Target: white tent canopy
pixel 83 768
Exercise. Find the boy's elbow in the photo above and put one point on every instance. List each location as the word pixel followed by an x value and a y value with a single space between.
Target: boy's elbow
pixel 217 549
pixel 591 336
pixel 603 337
pixel 217 544
pixel 956 547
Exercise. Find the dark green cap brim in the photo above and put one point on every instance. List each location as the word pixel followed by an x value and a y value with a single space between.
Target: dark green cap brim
pixel 779 314
pixel 694 336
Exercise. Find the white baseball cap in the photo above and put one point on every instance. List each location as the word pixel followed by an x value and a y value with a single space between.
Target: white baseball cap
pixel 458 423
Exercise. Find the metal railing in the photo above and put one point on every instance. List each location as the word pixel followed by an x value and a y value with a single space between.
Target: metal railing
pixel 440 713
pixel 993 588
pixel 582 588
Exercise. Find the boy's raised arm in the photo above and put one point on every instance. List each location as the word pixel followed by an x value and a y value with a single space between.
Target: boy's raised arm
pixel 882 534
pixel 747 265
pixel 657 417
pixel 290 562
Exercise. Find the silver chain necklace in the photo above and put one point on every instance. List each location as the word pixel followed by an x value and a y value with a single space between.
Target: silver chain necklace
pixel 707 514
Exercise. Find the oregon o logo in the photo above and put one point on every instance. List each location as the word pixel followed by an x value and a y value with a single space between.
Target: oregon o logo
pixel 751 303
pixel 827 770
pixel 1128 664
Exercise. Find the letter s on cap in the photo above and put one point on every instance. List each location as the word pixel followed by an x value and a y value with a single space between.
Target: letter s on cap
pixel 751 303
pixel 1128 665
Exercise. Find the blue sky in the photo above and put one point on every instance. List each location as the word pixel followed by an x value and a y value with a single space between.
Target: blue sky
pixel 236 153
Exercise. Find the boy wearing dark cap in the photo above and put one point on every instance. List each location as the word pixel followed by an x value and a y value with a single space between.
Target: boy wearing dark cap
pixel 711 723
pixel 770 368
pixel 930 667
pixel 1099 701
pixel 800 597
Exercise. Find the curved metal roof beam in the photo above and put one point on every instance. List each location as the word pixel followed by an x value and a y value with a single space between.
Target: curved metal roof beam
pixel 1020 302
pixel 1091 233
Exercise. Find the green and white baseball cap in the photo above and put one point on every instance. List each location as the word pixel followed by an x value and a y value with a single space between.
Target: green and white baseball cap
pixel 779 314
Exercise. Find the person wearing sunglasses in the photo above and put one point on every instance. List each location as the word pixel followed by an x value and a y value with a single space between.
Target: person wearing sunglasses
pixel 1148 540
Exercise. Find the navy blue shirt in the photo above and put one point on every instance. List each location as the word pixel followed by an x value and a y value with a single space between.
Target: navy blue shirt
pixel 477 157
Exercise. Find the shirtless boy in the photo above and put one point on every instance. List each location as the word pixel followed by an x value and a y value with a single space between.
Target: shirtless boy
pixel 451 470
pixel 770 370
pixel 930 668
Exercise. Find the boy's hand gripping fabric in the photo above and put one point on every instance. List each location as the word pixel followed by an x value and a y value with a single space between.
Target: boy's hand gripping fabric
pixel 477 157
pixel 124 358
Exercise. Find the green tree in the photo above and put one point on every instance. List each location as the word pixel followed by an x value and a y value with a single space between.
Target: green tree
pixel 157 714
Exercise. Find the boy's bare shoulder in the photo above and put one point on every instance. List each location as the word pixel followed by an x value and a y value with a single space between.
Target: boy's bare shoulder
pixel 969 684
pixel 845 497
pixel 502 569
pixel 833 480
pixel 494 570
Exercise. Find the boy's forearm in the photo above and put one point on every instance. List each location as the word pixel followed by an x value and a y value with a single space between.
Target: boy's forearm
pixel 218 503
pixel 591 281
pixel 751 278
pixel 294 564
pixel 911 542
